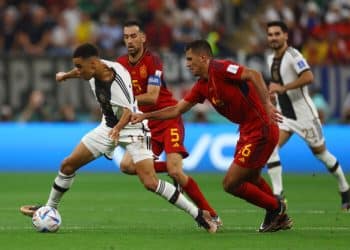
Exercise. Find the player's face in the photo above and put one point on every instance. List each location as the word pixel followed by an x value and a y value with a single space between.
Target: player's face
pixel 195 63
pixel 86 67
pixel 133 39
pixel 276 37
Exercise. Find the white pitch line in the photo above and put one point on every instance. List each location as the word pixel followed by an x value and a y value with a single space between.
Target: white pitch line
pixel 236 228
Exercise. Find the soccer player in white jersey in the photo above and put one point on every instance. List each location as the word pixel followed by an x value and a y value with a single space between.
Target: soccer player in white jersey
pixel 112 87
pixel 290 75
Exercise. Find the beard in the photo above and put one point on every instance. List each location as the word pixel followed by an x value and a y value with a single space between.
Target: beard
pixel 275 45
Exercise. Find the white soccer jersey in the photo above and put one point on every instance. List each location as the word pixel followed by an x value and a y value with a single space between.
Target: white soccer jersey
pixel 295 104
pixel 113 97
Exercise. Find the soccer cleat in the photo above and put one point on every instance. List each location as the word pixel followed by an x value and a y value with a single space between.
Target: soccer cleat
pixel 29 210
pixel 205 220
pixel 217 220
pixel 345 200
pixel 276 219
pixel 266 222
pixel 284 223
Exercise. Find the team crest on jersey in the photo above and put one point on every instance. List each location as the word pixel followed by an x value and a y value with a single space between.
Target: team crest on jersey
pixel 143 71
pixel 301 64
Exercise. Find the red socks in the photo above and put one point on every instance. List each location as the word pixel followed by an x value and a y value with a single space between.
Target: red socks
pixel 193 191
pixel 256 195
pixel 160 166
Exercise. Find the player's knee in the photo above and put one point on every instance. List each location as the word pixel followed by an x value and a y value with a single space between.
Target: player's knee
pixel 67 167
pixel 150 184
pixel 127 167
pixel 175 173
pixel 230 186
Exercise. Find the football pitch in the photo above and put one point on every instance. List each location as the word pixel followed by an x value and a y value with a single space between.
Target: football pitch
pixel 113 211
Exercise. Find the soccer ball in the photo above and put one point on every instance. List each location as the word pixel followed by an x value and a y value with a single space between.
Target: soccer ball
pixel 46 219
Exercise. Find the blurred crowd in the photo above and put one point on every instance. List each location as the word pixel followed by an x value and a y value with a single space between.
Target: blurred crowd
pixel 319 28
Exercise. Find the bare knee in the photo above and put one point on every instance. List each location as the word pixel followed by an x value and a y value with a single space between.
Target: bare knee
pixel 150 185
pixel 68 167
pixel 175 173
pixel 230 186
pixel 127 167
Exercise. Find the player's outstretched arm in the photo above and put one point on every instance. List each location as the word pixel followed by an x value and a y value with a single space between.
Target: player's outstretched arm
pixel 165 113
pixel 62 76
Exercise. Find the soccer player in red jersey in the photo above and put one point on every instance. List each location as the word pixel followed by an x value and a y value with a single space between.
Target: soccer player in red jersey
pixel 151 93
pixel 239 94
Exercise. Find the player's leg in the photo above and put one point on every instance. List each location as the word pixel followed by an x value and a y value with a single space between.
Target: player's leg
pixel 334 167
pixel 64 180
pixel 238 182
pixel 188 184
pixel 274 166
pixel 173 143
pixel 311 132
pixel 144 168
pixel 127 166
pixel 80 156
pixel 246 183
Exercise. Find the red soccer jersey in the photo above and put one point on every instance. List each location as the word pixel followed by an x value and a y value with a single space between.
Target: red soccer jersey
pixel 235 99
pixel 149 70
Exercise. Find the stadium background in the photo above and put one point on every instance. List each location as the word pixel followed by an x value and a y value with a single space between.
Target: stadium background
pixel 41 121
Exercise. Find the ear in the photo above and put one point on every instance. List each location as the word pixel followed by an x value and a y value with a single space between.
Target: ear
pixel 143 37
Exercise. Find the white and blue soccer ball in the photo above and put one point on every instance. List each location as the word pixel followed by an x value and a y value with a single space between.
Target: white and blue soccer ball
pixel 46 219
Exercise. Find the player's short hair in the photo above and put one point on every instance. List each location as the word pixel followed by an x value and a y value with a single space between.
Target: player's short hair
pixel 86 50
pixel 200 46
pixel 280 24
pixel 134 22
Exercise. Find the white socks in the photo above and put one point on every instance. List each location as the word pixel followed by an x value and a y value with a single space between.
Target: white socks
pixel 334 167
pixel 61 184
pixel 275 172
pixel 171 194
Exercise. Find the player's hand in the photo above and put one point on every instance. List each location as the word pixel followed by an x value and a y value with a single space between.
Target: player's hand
pixel 114 134
pixel 273 113
pixel 276 88
pixel 60 76
pixel 137 117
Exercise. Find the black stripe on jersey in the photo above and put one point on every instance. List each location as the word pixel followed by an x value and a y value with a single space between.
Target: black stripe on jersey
pixel 123 87
pixel 283 99
pixel 286 106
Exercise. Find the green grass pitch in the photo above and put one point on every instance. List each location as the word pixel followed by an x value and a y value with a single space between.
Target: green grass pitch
pixel 113 211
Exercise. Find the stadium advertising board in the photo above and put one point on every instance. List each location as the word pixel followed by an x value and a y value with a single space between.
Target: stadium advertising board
pixel 42 147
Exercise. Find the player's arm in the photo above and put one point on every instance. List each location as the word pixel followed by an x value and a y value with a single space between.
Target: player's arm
pixel 305 78
pixel 62 76
pixel 165 113
pixel 123 121
pixel 150 97
pixel 256 78
pixel 258 81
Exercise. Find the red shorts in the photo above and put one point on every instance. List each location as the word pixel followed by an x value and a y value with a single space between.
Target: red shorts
pixel 169 138
pixel 254 151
